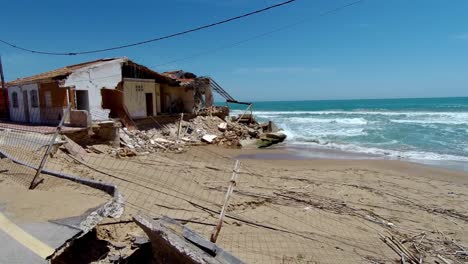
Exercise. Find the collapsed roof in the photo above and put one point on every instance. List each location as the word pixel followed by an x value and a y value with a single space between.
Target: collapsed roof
pixel 64 72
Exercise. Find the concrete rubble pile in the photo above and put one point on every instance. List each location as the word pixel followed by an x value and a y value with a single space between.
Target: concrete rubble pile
pixel 139 142
pixel 176 137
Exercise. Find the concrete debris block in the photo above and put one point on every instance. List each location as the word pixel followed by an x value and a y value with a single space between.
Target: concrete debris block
pixel 248 143
pixel 269 139
pixel 269 127
pixel 140 240
pixel 209 138
pixel 74 149
pixel 174 243
pixel 125 152
pixel 222 127
pixel 265 142
pixel 175 137
pixel 169 247
pixel 119 245
pixel 124 137
pixel 276 135
pixel 253 132
pixel 113 257
pixel 162 140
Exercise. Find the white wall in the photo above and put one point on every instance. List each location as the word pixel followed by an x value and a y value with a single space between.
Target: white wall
pixel 135 98
pixel 18 114
pixel 34 112
pixel 93 78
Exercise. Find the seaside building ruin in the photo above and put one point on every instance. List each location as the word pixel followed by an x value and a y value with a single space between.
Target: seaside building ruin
pixel 103 89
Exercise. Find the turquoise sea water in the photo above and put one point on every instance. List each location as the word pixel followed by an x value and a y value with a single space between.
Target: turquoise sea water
pixel 415 129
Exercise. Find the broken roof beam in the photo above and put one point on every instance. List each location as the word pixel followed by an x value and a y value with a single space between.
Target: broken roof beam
pixel 237 102
pixel 217 88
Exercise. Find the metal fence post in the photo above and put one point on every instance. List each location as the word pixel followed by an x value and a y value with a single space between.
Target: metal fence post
pixel 36 180
pixel 232 184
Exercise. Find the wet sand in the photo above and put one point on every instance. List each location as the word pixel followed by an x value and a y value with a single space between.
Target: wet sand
pixel 311 152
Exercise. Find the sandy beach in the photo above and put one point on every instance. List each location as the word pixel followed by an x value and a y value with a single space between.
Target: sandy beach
pixel 284 208
pixel 299 210
pixel 347 203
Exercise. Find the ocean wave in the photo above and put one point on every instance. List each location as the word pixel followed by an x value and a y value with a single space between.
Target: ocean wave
pixel 409 155
pixel 347 121
pixel 366 117
pixel 429 121
pixel 438 135
pixel 463 115
pixel 324 133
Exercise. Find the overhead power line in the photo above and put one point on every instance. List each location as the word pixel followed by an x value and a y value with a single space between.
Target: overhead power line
pixel 150 40
pixel 264 34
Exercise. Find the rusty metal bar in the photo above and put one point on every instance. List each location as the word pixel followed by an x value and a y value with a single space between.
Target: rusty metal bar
pixel 243 114
pixel 36 180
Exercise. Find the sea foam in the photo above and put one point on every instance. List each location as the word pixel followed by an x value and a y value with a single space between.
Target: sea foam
pixel 420 135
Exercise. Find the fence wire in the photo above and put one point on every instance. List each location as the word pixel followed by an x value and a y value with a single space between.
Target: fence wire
pixel 282 217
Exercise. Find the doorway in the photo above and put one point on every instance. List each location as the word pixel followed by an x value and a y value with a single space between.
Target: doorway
pixel 26 106
pixel 82 100
pixel 149 104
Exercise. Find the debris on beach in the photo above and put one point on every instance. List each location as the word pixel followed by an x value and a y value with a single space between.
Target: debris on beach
pixel 176 137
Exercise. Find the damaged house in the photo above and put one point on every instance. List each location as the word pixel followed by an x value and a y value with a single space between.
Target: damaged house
pixel 195 95
pixel 103 89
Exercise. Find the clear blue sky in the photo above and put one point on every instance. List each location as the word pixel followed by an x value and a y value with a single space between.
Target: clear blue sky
pixel 376 49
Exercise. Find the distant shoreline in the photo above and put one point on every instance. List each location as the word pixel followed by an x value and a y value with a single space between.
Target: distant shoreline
pixel 305 152
pixel 353 99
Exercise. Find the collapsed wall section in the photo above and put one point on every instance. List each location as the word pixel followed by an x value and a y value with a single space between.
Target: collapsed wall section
pixel 94 78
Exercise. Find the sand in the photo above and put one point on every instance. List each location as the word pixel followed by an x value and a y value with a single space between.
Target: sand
pixel 346 203
pixel 54 199
pixel 293 211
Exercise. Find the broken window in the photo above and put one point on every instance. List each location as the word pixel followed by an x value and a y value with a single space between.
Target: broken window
pixel 14 98
pixel 34 99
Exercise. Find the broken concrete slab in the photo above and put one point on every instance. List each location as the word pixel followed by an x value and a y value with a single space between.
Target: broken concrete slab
pixel 74 149
pixel 35 214
pixel 269 139
pixel 249 143
pixel 276 135
pixel 222 127
pixel 209 138
pixel 175 243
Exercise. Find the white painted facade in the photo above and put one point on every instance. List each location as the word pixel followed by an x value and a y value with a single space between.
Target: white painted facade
pixel 134 95
pixel 26 108
pixel 93 78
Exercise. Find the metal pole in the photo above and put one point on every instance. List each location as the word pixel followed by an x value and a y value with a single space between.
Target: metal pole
pixel 243 114
pixel 2 79
pixel 36 180
pixel 180 126
pixel 233 182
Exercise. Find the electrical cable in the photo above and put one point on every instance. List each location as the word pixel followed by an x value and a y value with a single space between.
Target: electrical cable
pixel 150 40
pixel 237 43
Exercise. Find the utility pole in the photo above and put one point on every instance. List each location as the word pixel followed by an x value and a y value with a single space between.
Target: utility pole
pixel 1 73
pixel 2 78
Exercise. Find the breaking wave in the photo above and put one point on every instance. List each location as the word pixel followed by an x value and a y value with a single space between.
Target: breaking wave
pixel 420 135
